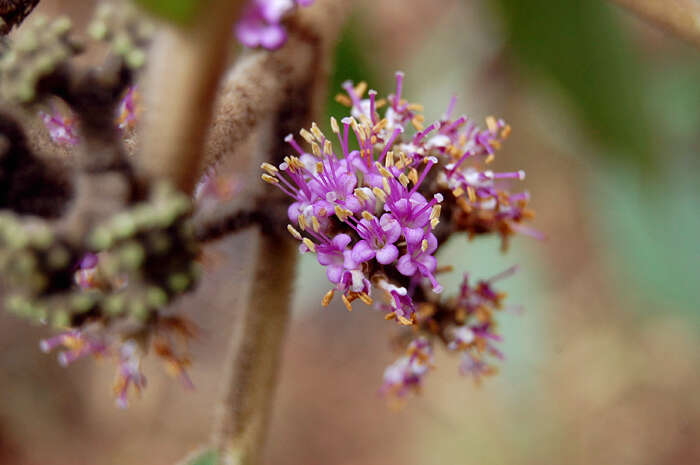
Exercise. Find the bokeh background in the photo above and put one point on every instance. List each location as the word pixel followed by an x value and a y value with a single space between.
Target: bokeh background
pixel 604 364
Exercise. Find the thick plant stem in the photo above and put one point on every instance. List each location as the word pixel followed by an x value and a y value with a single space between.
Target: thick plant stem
pixel 254 357
pixel 181 85
pixel 681 17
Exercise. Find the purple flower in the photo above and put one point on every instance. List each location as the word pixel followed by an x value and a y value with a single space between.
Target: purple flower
pixel 419 258
pixel 129 109
pixel 62 129
pixel 407 373
pixel 336 257
pixel 378 239
pixel 260 25
pixel 129 372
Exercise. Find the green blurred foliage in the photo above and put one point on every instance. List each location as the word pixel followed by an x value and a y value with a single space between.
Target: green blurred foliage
pixel 205 458
pixel 179 11
pixel 351 63
pixel 580 46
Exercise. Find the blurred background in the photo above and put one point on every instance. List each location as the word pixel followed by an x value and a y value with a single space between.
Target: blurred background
pixel 603 365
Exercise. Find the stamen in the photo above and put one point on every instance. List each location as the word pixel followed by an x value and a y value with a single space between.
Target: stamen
pixel 269 168
pixel 295 234
pixel 309 243
pixel 270 179
pixel 347 303
pixel 327 298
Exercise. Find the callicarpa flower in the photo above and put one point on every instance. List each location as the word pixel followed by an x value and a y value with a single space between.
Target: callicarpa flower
pixel 129 109
pixel 62 129
pixel 375 201
pixel 261 23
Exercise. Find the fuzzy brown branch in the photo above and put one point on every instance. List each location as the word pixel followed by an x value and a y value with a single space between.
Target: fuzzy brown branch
pixel 181 86
pixel 266 96
pixel 680 17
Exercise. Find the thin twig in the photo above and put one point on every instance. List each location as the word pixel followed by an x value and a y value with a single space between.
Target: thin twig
pixel 181 86
pixel 680 17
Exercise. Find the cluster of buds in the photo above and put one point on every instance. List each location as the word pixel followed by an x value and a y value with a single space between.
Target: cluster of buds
pixel 125 29
pixel 374 203
pixel 39 48
pixel 107 296
pixel 261 22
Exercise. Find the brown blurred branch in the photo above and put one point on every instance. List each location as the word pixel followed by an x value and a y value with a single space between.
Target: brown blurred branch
pixel 680 17
pixel 182 82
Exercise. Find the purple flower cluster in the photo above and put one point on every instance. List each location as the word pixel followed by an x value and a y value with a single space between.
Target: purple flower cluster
pixel 362 213
pixel 261 23
pixel 375 201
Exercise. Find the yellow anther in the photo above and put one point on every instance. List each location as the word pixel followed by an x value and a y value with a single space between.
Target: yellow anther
pixel 302 222
pixel 389 161
pixel 364 297
pixel 309 243
pixel 496 144
pixel 319 167
pixel 417 124
pixel 403 179
pixel 328 147
pixel 471 194
pixel 361 89
pixel 270 179
pixel 387 188
pixel 317 132
pixel 506 131
pixel 390 316
pixel 404 321
pixel 316 149
pixel 491 157
pixel 316 225
pixel 458 192
pixel 360 194
pixel 424 245
pixel 415 107
pixel 327 298
pixel 373 140
pixel 367 215
pixel 383 171
pixel 342 213
pixel 343 100
pixel 306 135
pixel 379 194
pixel 413 175
pixel 380 103
pixel 334 125
pixel 434 222
pixel 295 234
pixel 380 125
pixel 491 123
pixel 436 212
pixel 269 168
pixel 347 303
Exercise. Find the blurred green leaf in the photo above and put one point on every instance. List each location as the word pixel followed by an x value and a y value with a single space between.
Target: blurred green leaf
pixel 208 457
pixel 179 11
pixel 581 46
pixel 351 63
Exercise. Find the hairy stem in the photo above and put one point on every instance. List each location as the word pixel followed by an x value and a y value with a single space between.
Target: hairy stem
pixel 182 83
pixel 265 97
pixel 681 17
pixel 255 353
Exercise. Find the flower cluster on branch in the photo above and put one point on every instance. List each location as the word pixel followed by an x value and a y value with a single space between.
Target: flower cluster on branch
pixel 375 201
